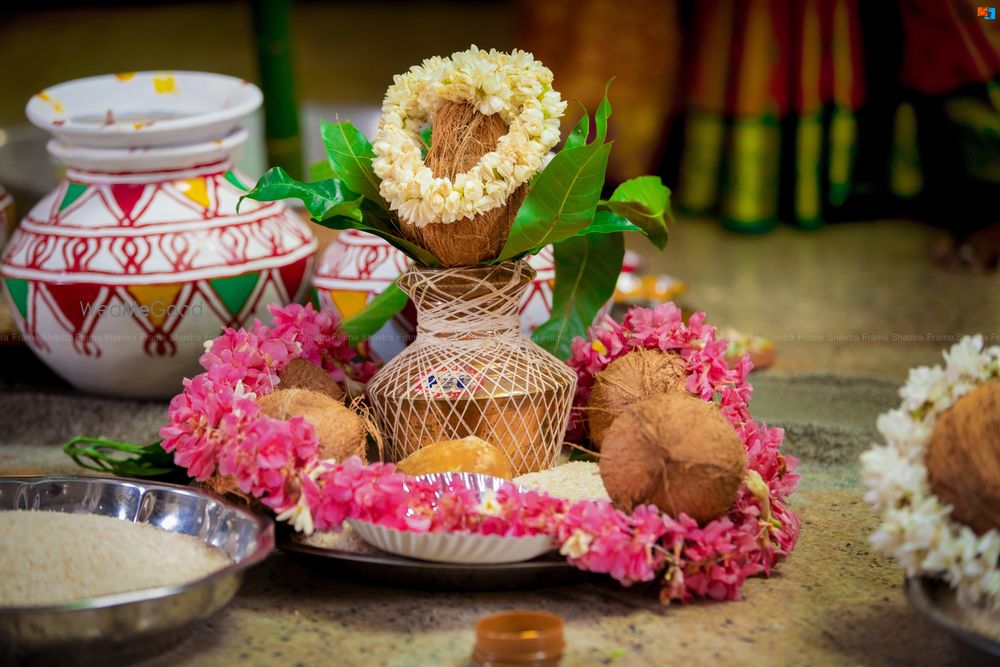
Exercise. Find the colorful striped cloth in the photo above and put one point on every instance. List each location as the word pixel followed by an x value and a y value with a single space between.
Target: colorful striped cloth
pixel 796 110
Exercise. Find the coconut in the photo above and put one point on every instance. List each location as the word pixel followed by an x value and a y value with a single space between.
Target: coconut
pixel 963 460
pixel 226 485
pixel 300 374
pixel 628 379
pixel 677 452
pixel 461 135
pixel 340 430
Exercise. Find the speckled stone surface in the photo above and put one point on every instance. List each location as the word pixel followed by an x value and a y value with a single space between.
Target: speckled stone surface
pixel 834 602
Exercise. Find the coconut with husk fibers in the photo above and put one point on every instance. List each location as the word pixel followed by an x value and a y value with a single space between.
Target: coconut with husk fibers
pixel 963 460
pixel 461 136
pixel 674 451
pixel 340 431
pixel 635 376
pixel 307 391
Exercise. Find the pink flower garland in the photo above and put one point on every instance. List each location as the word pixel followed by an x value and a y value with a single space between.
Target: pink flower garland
pixel 621 545
pixel 711 560
pixel 216 427
pixel 215 423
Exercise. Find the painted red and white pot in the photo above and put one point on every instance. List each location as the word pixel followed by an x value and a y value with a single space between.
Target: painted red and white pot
pixel 357 266
pixel 119 275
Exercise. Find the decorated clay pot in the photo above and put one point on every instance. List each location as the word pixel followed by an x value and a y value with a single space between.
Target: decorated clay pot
pixel 119 275
pixel 357 266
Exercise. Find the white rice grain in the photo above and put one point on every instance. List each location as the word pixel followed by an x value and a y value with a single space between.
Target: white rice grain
pixel 56 558
pixel 579 480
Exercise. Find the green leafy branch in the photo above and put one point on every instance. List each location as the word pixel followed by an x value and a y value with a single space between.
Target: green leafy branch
pixel 124 459
pixel 350 198
pixel 563 208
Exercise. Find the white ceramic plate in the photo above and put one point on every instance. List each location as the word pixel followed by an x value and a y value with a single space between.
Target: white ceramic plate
pixel 146 108
pixel 453 547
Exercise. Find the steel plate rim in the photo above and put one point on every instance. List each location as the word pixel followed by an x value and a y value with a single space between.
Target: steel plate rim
pixel 265 545
pixel 917 592
pixel 285 543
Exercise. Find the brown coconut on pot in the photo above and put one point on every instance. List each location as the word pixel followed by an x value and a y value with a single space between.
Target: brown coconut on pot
pixel 635 376
pixel 340 430
pixel 461 135
pixel 674 451
pixel 963 459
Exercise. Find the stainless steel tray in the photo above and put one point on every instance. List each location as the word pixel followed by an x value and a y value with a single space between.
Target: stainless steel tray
pixel 935 601
pixel 113 629
pixel 398 572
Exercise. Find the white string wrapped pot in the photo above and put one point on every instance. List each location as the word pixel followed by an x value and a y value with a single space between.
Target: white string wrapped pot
pixel 471 371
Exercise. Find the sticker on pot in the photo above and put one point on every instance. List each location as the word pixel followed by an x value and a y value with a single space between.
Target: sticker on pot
pixel 449 381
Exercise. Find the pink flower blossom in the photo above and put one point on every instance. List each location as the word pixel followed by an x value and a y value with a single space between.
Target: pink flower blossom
pixel 252 357
pixel 317 333
pixel 216 413
pixel 265 458
pixel 201 417
pixel 712 560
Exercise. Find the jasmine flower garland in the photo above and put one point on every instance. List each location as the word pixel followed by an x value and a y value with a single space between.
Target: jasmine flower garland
pixel 917 529
pixel 514 85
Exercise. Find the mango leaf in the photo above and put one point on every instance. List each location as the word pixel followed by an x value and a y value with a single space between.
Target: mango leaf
pixel 645 202
pixel 606 222
pixel 325 199
pixel 350 155
pixel 375 224
pixel 602 115
pixel 563 197
pixel 380 310
pixel 425 138
pixel 587 269
pixel 321 171
pixel 333 205
pixel 562 202
pixel 578 135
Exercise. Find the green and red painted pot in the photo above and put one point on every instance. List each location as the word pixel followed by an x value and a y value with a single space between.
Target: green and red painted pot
pixel 139 256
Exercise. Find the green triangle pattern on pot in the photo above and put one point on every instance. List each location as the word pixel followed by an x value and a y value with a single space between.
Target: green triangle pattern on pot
pixel 235 291
pixel 73 192
pixel 18 288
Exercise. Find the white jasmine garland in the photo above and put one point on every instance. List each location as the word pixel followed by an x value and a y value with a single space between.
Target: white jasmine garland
pixel 916 528
pixel 514 85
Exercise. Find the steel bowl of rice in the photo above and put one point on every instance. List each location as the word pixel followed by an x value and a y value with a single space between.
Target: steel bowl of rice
pixel 97 569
